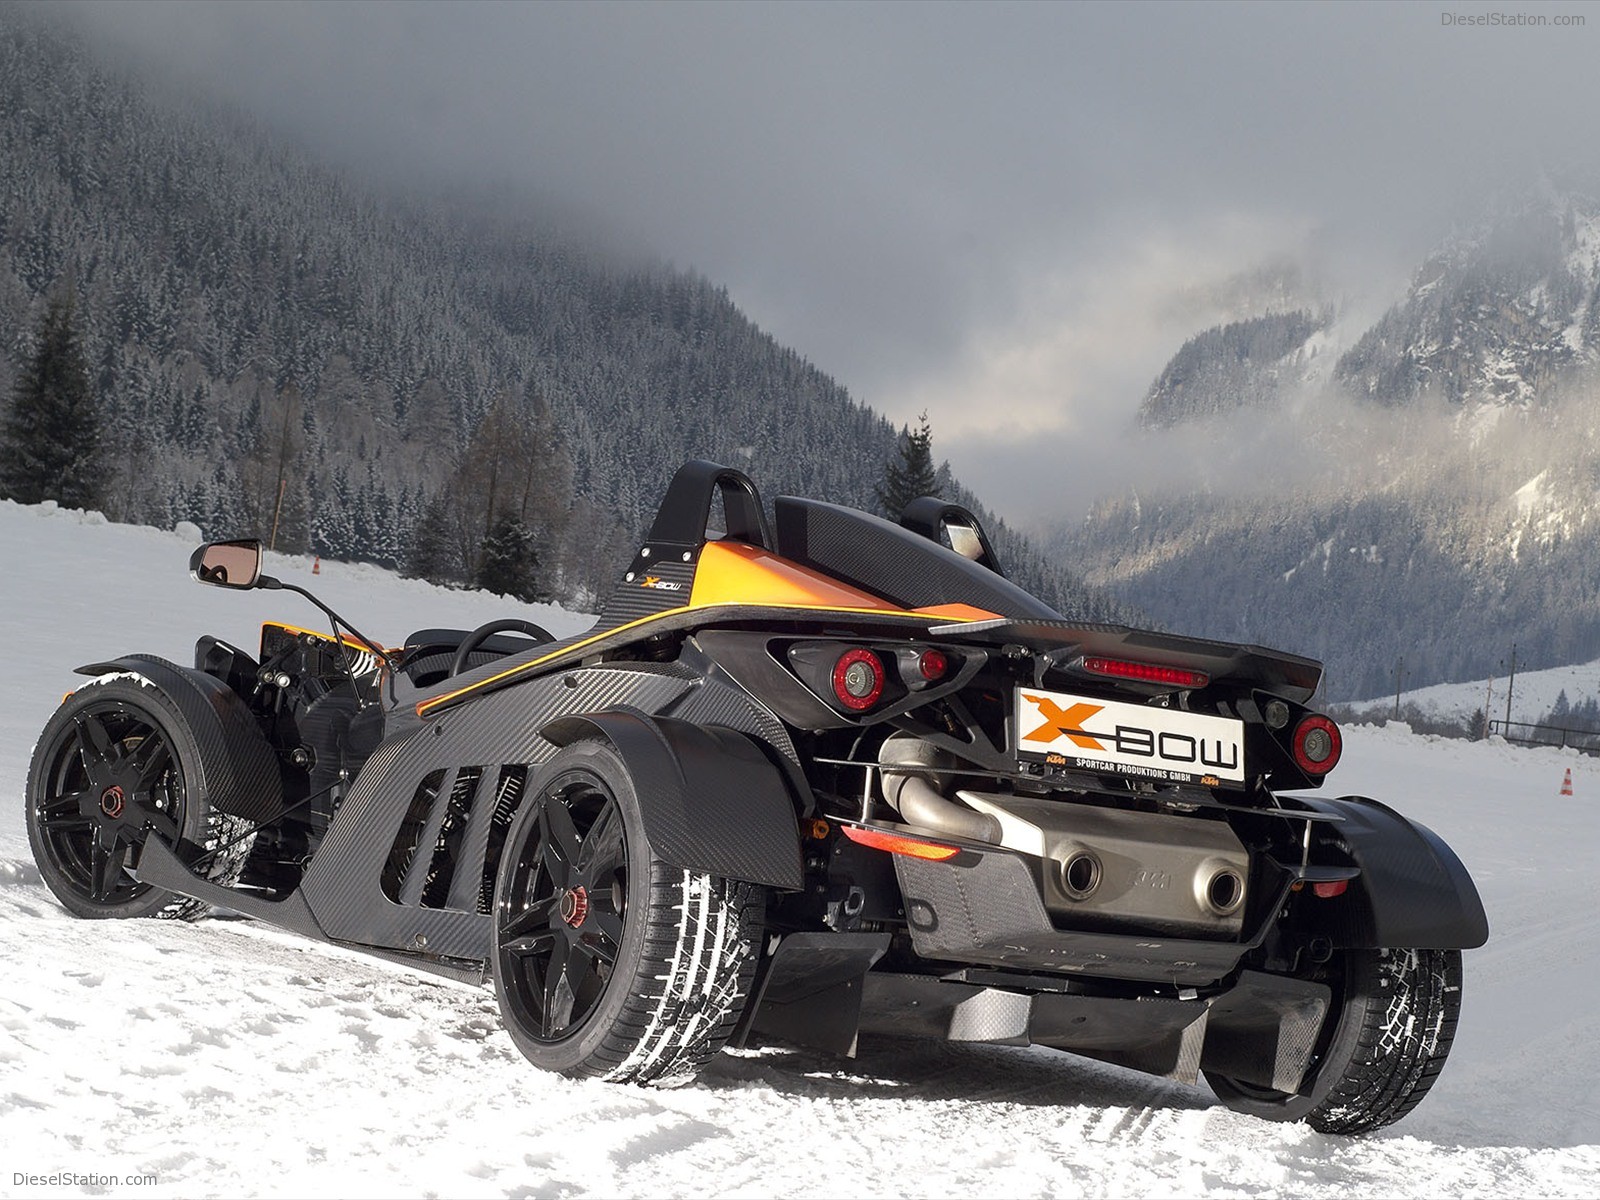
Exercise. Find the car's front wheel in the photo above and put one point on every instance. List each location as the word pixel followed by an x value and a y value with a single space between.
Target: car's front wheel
pixel 608 962
pixel 1393 1020
pixel 114 766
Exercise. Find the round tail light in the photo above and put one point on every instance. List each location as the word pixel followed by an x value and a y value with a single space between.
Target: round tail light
pixel 932 665
pixel 858 679
pixel 1316 744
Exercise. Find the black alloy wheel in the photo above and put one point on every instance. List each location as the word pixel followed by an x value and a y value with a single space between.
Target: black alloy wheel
pixel 561 913
pixel 112 768
pixel 609 962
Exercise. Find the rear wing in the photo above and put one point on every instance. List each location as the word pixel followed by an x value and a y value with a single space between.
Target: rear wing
pixel 1289 675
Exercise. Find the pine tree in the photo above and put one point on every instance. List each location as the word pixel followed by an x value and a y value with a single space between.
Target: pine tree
pixel 50 444
pixel 429 555
pixel 913 475
pixel 510 564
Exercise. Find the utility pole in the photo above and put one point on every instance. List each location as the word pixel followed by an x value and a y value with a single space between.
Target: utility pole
pixel 1399 673
pixel 1511 684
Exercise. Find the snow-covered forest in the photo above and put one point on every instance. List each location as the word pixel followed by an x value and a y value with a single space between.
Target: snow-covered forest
pixel 279 350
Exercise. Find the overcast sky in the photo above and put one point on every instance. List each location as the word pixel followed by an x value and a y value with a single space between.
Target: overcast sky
pixel 1010 215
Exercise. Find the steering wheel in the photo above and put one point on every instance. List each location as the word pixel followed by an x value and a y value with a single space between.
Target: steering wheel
pixel 483 632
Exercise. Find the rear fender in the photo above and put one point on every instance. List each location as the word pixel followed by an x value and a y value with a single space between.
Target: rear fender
pixel 712 801
pixel 1413 891
pixel 238 772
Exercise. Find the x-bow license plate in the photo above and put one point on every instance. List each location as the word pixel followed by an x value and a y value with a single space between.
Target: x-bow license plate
pixel 1159 744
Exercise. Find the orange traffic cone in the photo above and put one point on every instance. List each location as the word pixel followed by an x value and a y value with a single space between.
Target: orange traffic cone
pixel 1566 784
pixel 316 565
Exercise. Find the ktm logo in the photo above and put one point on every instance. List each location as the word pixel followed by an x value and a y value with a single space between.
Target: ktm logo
pixel 1058 721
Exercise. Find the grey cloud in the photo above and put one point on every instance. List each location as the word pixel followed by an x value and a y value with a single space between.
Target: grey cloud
pixel 904 192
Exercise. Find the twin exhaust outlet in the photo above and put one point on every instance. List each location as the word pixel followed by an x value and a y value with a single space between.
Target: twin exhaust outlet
pixel 1217 887
pixel 1098 865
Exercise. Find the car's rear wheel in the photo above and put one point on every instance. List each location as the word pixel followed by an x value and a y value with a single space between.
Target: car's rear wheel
pixel 608 962
pixel 115 765
pixel 1393 1020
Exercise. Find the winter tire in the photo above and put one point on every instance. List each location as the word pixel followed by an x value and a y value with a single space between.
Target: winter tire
pixel 113 767
pixel 608 962
pixel 1395 1014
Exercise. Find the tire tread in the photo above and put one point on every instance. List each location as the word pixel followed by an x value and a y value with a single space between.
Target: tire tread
pixel 1409 1024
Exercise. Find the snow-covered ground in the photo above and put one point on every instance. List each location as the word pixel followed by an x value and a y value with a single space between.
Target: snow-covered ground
pixel 229 1059
pixel 1532 694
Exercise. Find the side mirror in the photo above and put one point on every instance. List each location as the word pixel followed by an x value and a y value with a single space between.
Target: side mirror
pixel 228 564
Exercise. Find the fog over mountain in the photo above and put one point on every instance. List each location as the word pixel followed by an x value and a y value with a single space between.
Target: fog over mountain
pixel 1010 214
pixel 1340 258
pixel 283 351
pixel 1406 500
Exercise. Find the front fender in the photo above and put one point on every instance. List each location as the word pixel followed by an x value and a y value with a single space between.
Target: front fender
pixel 238 772
pixel 712 801
pixel 1413 891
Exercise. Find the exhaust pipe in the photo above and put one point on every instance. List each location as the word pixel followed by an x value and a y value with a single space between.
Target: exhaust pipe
pixel 1218 887
pixel 917 798
pixel 1080 871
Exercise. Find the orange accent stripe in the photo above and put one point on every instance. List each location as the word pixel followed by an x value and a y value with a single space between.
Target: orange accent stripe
pixel 425 705
pixel 957 612
pixel 737 575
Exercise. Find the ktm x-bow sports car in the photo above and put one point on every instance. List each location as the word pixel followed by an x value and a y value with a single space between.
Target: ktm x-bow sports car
pixel 808 778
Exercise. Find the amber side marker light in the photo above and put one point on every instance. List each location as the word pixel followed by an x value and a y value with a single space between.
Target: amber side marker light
pixel 1117 668
pixel 896 843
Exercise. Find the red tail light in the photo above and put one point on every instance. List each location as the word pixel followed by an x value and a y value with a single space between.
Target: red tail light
pixel 932 664
pixel 858 679
pixel 1316 744
pixel 1117 668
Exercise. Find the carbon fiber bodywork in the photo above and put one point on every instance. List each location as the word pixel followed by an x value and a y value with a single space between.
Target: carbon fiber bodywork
pixel 894 562
pixel 238 772
pixel 511 729
pixel 1412 890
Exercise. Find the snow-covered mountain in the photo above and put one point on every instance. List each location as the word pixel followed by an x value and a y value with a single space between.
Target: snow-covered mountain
pixel 1495 316
pixel 1243 364
pixel 1414 503
pixel 160 1059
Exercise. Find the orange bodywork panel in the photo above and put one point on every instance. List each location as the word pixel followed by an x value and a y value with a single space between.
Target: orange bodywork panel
pixel 957 612
pixel 737 573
